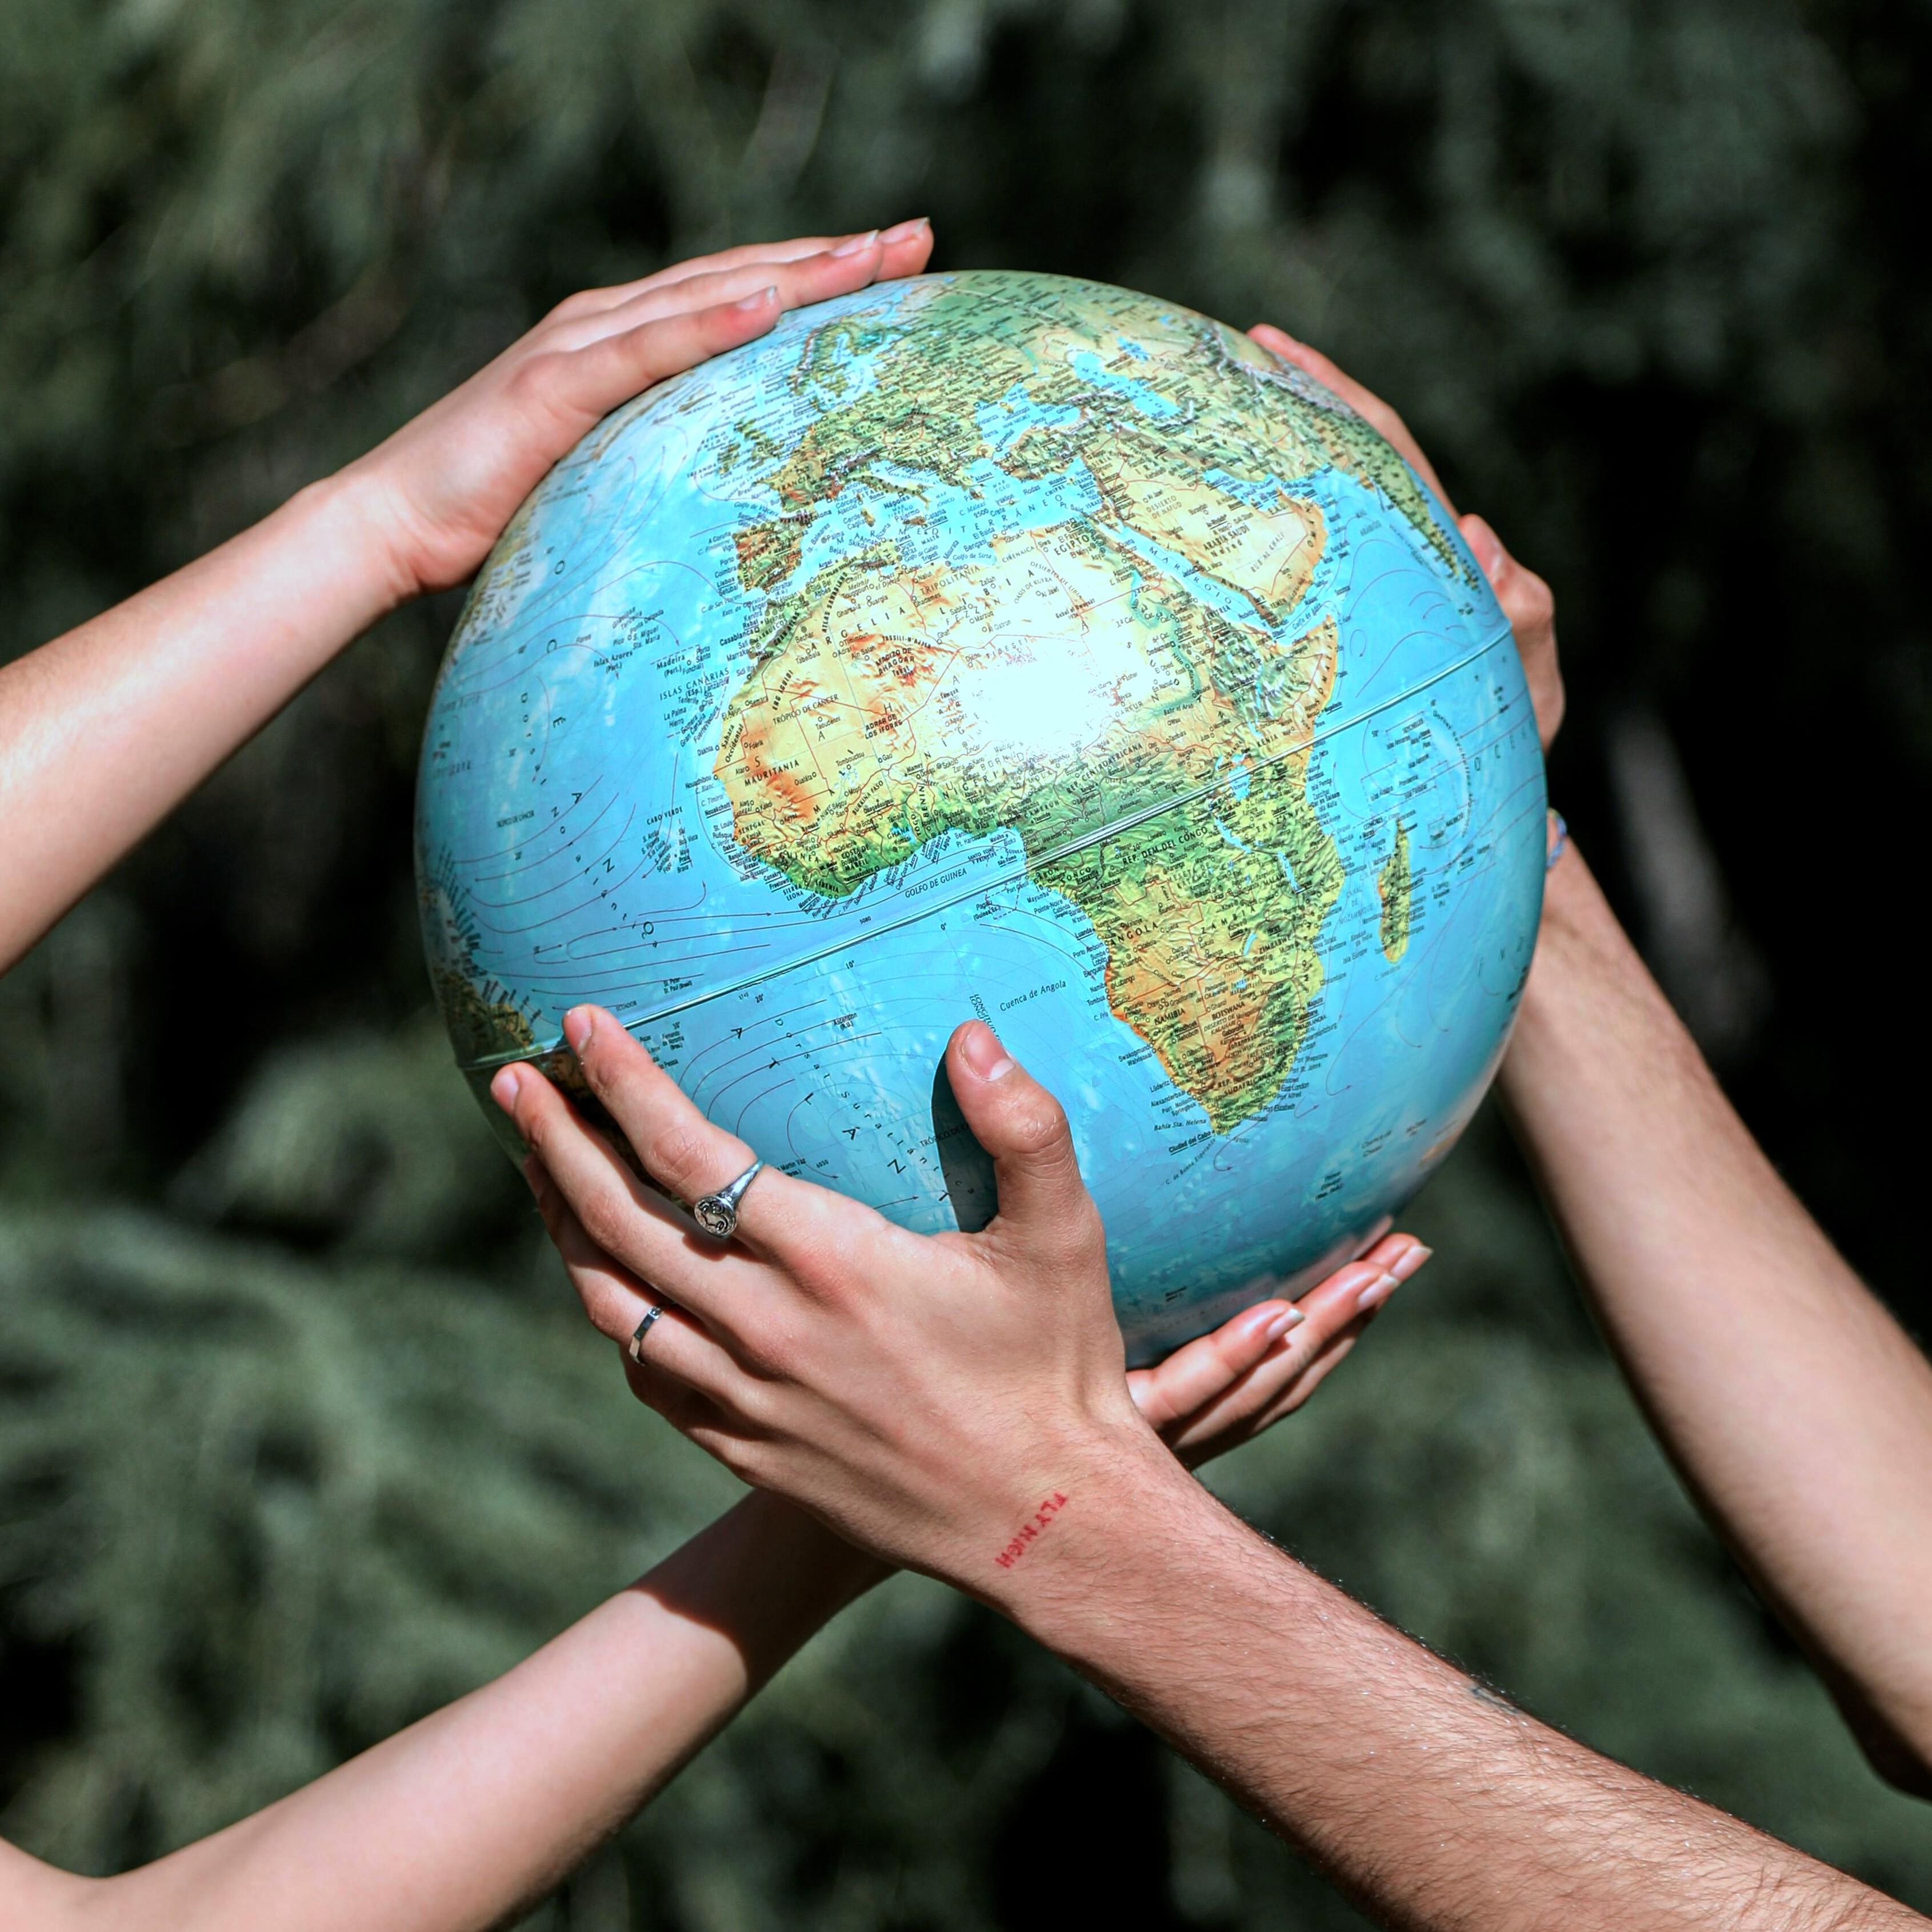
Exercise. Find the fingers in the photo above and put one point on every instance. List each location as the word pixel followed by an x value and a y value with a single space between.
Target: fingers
pixel 1041 1194
pixel 814 278
pixel 1364 402
pixel 680 1149
pixel 1524 595
pixel 1291 1367
pixel 576 387
pixel 907 247
pixel 904 247
pixel 1530 607
pixel 583 364
pixel 1525 598
pixel 686 1154
pixel 749 255
pixel 644 1234
pixel 1334 1352
pixel 679 1369
pixel 1208 1367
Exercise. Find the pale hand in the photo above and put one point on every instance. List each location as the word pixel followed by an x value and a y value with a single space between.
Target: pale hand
pixel 1225 1388
pixel 920 1394
pixel 439 491
pixel 1526 599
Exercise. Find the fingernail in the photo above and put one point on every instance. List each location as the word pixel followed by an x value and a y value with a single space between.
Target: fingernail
pixel 757 300
pixel 857 244
pixel 579 1024
pixel 1406 1264
pixel 504 1088
pixel 905 231
pixel 1288 1318
pixel 981 1050
pixel 1377 1292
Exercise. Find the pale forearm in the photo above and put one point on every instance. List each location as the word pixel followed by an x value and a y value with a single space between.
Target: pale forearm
pixel 1428 1798
pixel 1794 1405
pixel 104 731
pixel 474 1813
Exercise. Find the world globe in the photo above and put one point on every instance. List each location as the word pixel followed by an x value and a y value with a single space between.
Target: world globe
pixel 995 644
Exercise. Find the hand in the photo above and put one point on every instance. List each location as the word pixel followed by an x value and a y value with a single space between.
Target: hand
pixel 922 1394
pixel 439 491
pixel 1525 598
pixel 1226 1387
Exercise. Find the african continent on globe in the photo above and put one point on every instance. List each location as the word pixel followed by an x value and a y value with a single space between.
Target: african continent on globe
pixel 996 644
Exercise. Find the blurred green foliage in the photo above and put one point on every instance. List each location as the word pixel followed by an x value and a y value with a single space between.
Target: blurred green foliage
pixel 300 1434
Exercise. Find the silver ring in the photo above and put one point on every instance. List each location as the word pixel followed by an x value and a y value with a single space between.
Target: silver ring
pixel 651 1314
pixel 717 1214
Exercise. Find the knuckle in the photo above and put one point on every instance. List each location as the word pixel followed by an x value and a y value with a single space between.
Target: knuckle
pixel 531 381
pixel 749 1463
pixel 750 1402
pixel 603 1218
pixel 820 1276
pixel 677 1153
pixel 1039 1126
pixel 768 1356
pixel 532 372
pixel 539 1126
pixel 608 1309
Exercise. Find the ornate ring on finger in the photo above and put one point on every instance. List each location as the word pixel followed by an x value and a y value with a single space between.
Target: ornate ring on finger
pixel 717 1214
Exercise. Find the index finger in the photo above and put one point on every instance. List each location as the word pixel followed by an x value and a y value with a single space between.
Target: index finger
pixel 794 1221
pixel 899 241
pixel 640 1229
pixel 592 301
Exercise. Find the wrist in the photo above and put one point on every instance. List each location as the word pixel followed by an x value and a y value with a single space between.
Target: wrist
pixel 833 1571
pixel 767 1576
pixel 1114 1509
pixel 354 516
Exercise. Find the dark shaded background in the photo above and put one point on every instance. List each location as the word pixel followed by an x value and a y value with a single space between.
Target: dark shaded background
pixel 299 1435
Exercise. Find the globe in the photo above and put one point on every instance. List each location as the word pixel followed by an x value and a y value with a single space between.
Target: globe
pixel 1002 645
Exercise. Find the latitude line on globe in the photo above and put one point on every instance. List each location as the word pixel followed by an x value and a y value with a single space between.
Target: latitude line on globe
pixel 1064 850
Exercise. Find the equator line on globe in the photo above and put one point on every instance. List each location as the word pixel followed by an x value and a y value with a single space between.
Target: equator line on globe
pixel 993 643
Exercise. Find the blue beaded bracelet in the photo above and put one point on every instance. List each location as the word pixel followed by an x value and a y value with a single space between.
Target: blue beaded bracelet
pixel 1559 841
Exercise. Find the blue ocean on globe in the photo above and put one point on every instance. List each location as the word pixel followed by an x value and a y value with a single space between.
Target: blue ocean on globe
pixel 996 644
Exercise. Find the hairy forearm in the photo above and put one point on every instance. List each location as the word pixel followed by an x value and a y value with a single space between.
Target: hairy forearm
pixel 104 731
pixel 467 1818
pixel 1794 1405
pixel 1429 1799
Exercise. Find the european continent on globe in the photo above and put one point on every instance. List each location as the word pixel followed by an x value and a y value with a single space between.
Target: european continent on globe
pixel 994 643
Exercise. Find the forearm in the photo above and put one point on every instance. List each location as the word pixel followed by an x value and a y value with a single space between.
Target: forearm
pixel 1792 1403
pixel 1428 1798
pixel 104 731
pixel 470 1816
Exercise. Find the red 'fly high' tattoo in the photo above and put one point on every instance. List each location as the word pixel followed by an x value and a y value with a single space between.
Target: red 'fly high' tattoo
pixel 1042 1517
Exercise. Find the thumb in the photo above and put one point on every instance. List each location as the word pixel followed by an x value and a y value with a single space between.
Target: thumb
pixel 1024 1129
